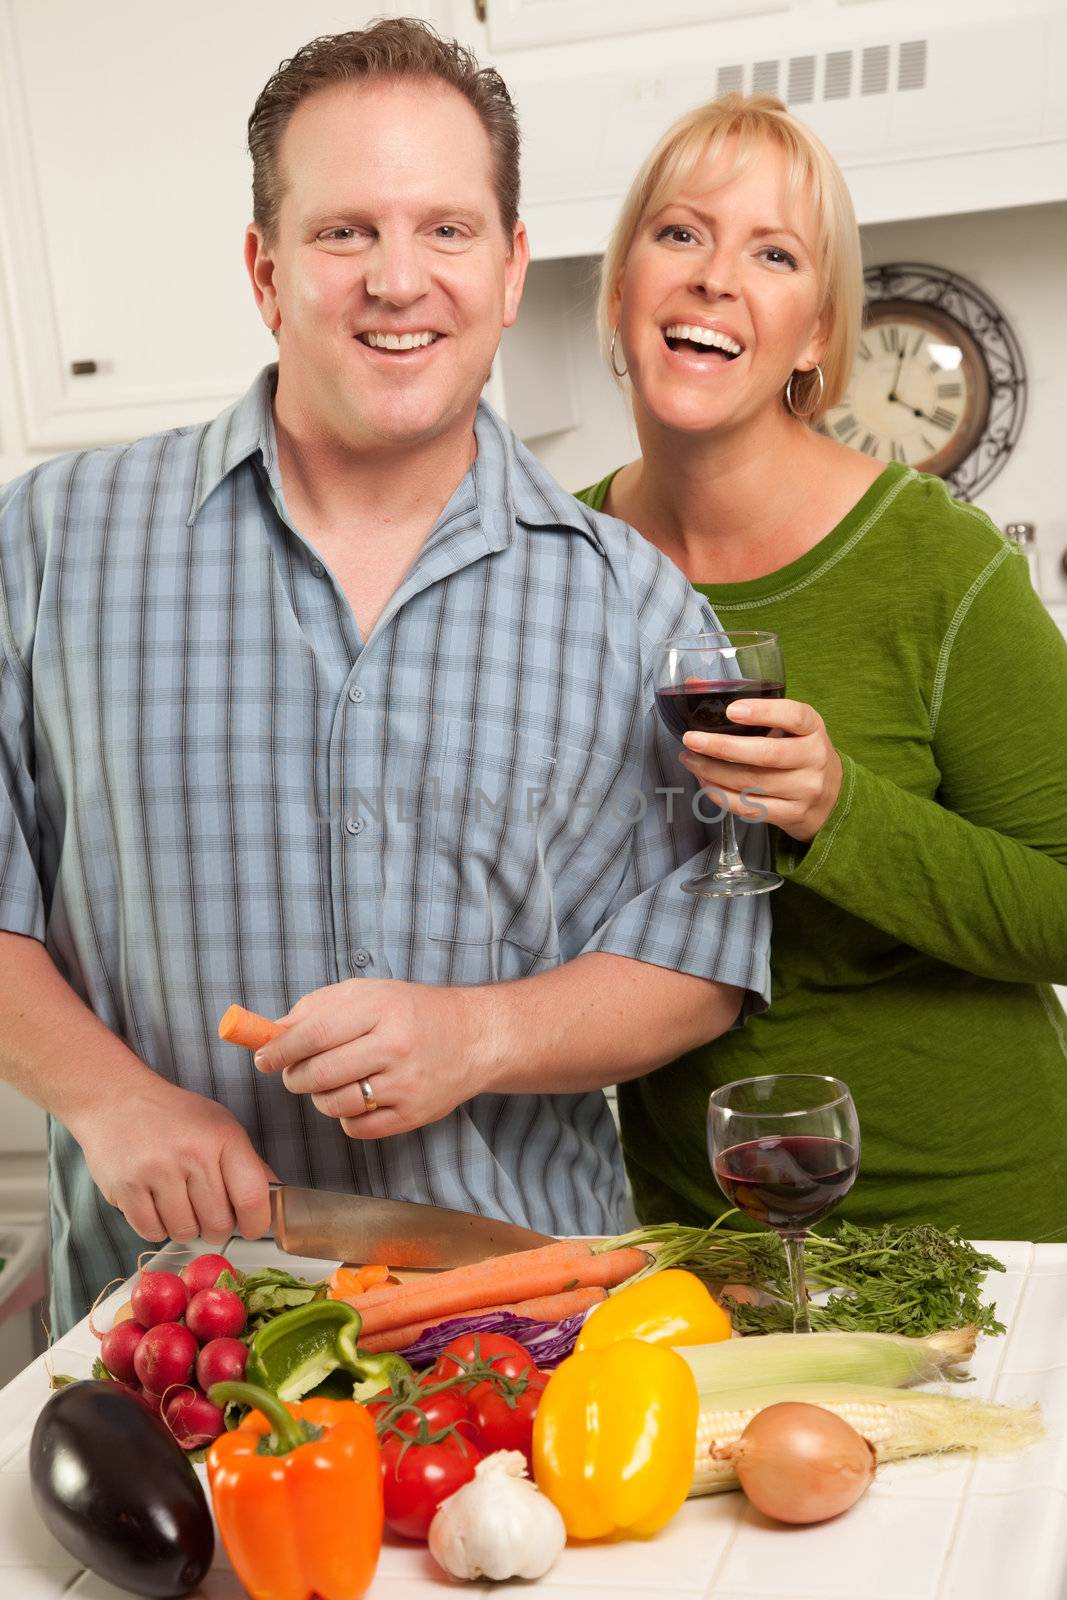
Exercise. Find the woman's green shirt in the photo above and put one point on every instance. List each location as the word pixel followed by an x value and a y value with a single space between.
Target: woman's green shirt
pixel 917 937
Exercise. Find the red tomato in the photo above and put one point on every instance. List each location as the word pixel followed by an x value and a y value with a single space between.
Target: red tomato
pixel 444 1410
pixel 417 1478
pixel 503 1355
pixel 504 1422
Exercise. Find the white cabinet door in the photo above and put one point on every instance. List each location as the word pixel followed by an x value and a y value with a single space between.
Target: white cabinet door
pixel 514 23
pixel 125 188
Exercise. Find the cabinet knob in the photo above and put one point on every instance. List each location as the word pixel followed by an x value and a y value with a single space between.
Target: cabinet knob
pixel 480 8
pixel 82 369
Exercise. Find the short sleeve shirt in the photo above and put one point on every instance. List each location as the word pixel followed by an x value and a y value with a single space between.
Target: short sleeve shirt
pixel 212 789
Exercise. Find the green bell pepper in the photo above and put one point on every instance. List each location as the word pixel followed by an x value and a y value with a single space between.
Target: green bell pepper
pixel 298 1350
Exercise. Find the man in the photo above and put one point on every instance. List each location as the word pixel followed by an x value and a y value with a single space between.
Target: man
pixel 339 703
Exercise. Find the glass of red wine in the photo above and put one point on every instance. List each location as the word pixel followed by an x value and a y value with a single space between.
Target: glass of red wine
pixel 697 677
pixel 785 1149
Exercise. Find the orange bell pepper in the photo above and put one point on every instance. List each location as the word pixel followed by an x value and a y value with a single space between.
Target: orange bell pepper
pixel 297 1493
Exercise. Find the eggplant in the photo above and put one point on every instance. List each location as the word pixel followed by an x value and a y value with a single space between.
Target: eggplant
pixel 113 1486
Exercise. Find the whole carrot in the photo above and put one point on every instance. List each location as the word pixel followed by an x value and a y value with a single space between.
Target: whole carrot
pixel 247 1028
pixel 502 1280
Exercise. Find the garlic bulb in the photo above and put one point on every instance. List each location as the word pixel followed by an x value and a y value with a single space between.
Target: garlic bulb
pixel 499 1525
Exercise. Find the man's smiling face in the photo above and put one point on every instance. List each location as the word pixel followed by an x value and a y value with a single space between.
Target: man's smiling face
pixel 391 277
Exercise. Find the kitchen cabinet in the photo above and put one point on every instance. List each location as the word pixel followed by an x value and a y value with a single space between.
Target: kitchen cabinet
pixel 125 187
pixel 929 112
pixel 516 23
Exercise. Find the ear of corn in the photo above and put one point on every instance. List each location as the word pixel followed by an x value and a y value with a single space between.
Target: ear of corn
pixel 897 1422
pixel 885 1358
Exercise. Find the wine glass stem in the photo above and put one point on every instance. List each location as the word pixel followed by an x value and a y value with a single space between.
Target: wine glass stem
pixel 794 1255
pixel 730 862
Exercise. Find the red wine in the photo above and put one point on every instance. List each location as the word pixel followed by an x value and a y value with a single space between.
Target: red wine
pixel 788 1183
pixel 700 705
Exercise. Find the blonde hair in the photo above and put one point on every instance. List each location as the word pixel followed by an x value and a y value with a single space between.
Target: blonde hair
pixel 754 121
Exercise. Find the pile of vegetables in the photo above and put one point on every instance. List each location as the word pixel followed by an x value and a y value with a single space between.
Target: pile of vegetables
pixel 580 1390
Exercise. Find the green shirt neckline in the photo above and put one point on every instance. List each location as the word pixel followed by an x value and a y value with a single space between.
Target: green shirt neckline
pixel 806 568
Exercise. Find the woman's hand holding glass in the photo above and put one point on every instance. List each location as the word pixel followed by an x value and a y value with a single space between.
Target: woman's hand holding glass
pixel 799 776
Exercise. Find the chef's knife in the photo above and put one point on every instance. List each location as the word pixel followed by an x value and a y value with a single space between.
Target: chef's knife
pixel 397 1233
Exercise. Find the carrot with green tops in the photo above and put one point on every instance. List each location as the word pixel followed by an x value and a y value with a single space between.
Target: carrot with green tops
pixel 547 1308
pixel 247 1028
pixel 500 1280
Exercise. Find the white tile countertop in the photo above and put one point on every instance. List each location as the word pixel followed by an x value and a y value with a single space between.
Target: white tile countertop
pixel 931 1529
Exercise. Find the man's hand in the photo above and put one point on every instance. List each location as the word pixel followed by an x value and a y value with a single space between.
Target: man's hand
pixel 175 1164
pixel 798 778
pixel 416 1045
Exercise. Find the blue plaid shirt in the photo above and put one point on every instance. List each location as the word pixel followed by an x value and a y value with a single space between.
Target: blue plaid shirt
pixel 212 789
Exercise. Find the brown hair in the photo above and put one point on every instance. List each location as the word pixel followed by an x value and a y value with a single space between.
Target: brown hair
pixel 392 49
pixel 753 122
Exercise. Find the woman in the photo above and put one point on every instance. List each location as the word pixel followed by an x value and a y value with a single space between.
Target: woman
pixel 919 802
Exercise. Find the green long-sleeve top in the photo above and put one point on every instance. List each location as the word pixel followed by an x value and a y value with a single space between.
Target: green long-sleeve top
pixel 917 936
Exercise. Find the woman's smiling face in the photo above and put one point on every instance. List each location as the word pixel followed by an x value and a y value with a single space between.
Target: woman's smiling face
pixel 720 297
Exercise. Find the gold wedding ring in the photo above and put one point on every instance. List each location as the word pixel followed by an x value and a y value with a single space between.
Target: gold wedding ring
pixel 369 1102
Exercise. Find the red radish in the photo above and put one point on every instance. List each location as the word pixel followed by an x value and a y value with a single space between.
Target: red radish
pixel 215 1314
pixel 158 1297
pixel 117 1350
pixel 165 1357
pixel 221 1361
pixel 204 1272
pixel 154 1402
pixel 191 1417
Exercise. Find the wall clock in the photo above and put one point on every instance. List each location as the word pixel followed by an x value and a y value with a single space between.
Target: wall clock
pixel 939 381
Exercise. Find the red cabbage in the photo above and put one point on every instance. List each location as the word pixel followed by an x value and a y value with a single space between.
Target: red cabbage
pixel 548 1342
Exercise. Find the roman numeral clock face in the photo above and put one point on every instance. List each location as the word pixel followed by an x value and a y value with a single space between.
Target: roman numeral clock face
pixel 919 391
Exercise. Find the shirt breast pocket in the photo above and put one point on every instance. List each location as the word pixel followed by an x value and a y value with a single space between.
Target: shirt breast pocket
pixel 488 881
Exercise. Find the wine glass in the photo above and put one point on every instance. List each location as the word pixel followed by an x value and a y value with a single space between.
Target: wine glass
pixel 697 677
pixel 785 1149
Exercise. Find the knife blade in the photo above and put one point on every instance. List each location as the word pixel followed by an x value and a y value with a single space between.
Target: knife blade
pixel 397 1233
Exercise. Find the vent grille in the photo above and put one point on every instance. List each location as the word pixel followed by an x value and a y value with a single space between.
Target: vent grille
pixel 801 80
pixel 911 68
pixel 837 82
pixel 875 75
pixel 839 79
pixel 765 77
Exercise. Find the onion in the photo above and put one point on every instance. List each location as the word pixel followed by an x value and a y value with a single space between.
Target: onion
pixel 800 1463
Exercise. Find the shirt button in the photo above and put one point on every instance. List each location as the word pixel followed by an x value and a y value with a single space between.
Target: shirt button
pixel 318 569
pixel 354 824
pixel 356 694
pixel 362 958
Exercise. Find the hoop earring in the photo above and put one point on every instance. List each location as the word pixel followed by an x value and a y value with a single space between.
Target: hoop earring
pixel 611 357
pixel 805 416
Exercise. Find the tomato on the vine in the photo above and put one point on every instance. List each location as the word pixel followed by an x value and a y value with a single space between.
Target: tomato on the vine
pixel 417 1477
pixel 504 1355
pixel 446 1409
pixel 505 1422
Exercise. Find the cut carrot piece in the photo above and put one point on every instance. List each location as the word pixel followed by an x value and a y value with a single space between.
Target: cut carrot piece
pixel 346 1283
pixel 247 1028
pixel 373 1274
pixel 546 1308
pixel 502 1280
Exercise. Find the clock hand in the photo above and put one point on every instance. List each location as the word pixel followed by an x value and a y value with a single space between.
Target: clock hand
pixel 892 395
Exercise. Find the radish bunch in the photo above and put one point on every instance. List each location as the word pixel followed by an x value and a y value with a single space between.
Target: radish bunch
pixel 181 1328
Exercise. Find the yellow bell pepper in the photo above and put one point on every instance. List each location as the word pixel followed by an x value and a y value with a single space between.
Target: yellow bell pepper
pixel 671 1307
pixel 614 1439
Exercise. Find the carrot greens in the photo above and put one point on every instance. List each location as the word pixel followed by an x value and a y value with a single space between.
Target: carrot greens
pixel 895 1279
